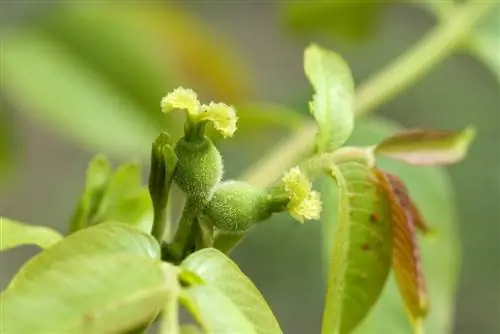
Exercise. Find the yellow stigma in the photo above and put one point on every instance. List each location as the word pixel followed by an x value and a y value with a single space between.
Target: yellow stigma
pixel 222 116
pixel 181 98
pixel 304 203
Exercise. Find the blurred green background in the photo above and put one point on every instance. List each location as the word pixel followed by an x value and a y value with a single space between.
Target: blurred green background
pixel 80 78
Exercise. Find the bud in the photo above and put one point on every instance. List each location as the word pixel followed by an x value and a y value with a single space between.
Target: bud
pixel 199 168
pixel 236 206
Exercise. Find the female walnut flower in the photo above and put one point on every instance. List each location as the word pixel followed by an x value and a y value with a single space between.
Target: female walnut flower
pixel 221 115
pixel 304 203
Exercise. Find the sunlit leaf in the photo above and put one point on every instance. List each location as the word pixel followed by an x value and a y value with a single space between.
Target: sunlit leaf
pixel 103 238
pixel 420 147
pixel 362 246
pixel 88 293
pixel 14 233
pixel 431 193
pixel 219 272
pixel 215 312
pixel 406 254
pixel 333 101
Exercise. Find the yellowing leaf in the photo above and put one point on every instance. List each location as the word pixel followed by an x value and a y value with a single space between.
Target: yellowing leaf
pixel 13 233
pixel 406 254
pixel 421 147
pixel 362 246
pixel 333 101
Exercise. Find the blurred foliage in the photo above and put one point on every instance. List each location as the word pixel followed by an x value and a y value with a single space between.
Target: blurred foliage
pixel 120 62
pixel 484 42
pixel 353 20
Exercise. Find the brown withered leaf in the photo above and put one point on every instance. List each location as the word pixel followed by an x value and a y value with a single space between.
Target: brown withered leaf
pixel 406 255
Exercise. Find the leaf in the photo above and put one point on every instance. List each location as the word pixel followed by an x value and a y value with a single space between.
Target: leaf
pixel 431 192
pixel 16 234
pixel 362 246
pixel 420 147
pixel 103 238
pixel 333 101
pixel 97 178
pixel 222 274
pixel 124 199
pixel 88 293
pixel 215 312
pixel 113 197
pixel 406 254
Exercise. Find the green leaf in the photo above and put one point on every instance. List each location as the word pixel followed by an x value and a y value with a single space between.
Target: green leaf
pixel 124 199
pixel 222 274
pixel 97 178
pixel 103 238
pixel 431 192
pixel 362 245
pixel 16 234
pixel 190 329
pixel 420 147
pixel 215 312
pixel 89 293
pixel 113 197
pixel 333 101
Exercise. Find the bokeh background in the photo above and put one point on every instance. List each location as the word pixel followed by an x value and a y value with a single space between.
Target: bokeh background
pixel 83 77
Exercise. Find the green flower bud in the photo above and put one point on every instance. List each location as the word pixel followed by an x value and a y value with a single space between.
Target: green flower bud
pixel 236 206
pixel 199 168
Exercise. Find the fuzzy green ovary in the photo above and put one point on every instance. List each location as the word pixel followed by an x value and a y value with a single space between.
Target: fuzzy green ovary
pixel 236 206
pixel 199 168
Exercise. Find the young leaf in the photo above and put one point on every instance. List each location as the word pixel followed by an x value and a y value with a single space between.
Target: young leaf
pixel 333 101
pixel 89 293
pixel 15 234
pixel 222 274
pixel 430 190
pixel 215 312
pixel 406 255
pixel 362 246
pixel 113 197
pixel 421 147
pixel 99 239
pixel 97 178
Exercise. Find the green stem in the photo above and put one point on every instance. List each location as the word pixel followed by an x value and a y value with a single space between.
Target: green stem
pixel 421 58
pixel 385 85
pixel 184 230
